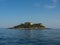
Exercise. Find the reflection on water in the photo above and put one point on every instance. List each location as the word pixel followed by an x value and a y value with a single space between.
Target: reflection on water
pixel 29 37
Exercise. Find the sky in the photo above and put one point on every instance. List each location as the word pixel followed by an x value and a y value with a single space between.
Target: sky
pixel 15 12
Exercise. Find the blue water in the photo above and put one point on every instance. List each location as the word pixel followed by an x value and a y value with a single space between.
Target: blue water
pixel 29 37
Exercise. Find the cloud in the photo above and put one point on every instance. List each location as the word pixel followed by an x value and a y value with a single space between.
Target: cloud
pixel 48 6
pixel 51 5
pixel 54 1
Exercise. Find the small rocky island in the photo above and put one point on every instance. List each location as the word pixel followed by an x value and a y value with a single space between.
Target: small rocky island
pixel 29 25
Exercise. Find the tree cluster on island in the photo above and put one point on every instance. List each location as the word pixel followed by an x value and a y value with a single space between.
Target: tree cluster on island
pixel 29 25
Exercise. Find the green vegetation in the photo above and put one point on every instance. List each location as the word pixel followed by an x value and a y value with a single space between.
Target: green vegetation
pixel 29 25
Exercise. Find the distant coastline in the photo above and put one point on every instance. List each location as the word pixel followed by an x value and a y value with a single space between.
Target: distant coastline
pixel 29 26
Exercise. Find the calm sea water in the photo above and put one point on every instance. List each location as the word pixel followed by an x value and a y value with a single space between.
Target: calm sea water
pixel 29 37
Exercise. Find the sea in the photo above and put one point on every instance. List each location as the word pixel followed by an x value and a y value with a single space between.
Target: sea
pixel 29 37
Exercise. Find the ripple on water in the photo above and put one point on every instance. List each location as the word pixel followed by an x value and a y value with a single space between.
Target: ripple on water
pixel 25 37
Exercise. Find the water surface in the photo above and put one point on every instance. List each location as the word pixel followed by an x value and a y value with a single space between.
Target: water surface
pixel 29 37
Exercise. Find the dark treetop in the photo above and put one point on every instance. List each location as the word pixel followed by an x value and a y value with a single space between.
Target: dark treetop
pixel 29 25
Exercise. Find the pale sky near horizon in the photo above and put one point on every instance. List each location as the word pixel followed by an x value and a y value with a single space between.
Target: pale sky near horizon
pixel 14 12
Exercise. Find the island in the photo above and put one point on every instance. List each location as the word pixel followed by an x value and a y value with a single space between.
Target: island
pixel 29 25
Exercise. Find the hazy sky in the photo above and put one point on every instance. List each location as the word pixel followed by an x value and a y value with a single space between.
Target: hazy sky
pixel 14 12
